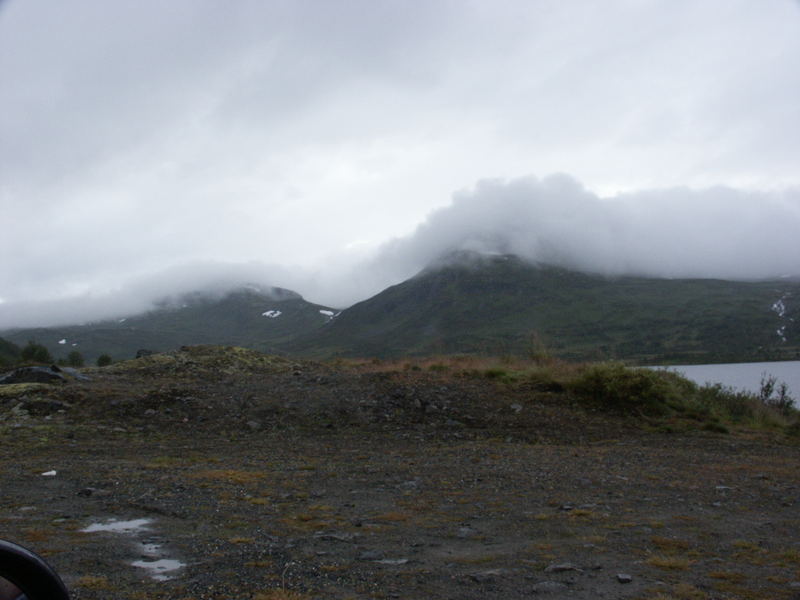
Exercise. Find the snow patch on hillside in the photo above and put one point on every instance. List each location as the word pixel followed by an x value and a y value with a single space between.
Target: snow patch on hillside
pixel 272 314
pixel 779 308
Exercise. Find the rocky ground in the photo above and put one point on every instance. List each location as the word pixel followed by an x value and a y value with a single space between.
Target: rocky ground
pixel 225 474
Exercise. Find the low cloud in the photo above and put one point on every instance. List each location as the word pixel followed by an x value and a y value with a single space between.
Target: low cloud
pixel 718 232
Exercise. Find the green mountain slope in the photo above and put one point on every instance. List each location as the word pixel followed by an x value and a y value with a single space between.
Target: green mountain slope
pixel 236 319
pixel 502 305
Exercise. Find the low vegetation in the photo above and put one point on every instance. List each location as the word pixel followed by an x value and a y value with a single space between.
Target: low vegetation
pixel 662 398
pixel 431 478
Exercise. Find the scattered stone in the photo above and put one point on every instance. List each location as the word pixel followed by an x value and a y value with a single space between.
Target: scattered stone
pixel 561 568
pixel 150 412
pixel 548 587
pixel 624 578
pixel 466 532
pixel 517 408
pixel 409 485
pixel 393 561
pixel 254 425
pixel 337 537
pixel 371 555
pixel 486 576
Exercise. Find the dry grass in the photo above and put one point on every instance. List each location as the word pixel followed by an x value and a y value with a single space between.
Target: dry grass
pixel 234 476
pixel 93 582
pixel 392 517
pixel 37 535
pixel 261 564
pixel 680 591
pixel 728 576
pixel 280 594
pixel 669 563
pixel 670 545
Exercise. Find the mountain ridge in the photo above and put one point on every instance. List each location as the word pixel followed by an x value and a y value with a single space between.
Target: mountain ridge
pixel 472 303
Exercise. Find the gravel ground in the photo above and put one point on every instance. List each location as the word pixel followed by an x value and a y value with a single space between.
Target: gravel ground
pixel 206 475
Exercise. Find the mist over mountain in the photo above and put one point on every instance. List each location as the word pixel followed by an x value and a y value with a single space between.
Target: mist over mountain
pixel 719 232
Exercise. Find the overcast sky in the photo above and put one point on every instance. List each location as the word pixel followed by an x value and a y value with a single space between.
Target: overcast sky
pixel 336 146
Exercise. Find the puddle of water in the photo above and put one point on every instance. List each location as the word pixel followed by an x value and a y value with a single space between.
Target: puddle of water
pixel 114 526
pixel 158 568
pixel 151 552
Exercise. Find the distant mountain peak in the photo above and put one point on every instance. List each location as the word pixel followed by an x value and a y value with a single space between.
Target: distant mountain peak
pixel 469 258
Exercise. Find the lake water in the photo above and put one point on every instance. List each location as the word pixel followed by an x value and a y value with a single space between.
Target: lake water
pixel 744 376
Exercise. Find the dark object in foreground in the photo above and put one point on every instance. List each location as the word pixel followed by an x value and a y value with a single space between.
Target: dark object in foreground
pixel 25 575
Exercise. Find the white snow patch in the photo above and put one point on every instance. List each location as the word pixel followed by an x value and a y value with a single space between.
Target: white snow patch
pixel 327 313
pixel 49 474
pixel 780 308
pixel 62 342
pixel 272 314
pixel 115 526
pixel 75 344
pixel 122 320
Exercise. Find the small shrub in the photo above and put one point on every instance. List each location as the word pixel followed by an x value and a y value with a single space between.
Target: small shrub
pixel 495 373
pixel 36 353
pixel 775 395
pixel 75 359
pixel 614 386
pixel 104 360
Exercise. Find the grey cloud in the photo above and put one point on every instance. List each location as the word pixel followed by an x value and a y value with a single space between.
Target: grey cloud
pixel 141 136
pixel 718 232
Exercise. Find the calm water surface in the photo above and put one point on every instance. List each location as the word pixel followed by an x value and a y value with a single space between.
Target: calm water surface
pixel 744 376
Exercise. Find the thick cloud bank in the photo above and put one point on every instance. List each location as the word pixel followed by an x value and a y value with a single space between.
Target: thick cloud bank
pixel 718 232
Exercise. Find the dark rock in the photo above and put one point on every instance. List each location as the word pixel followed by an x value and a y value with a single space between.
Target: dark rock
pixel 337 537
pixel 144 352
pixel 624 578
pixel 561 567
pixel 42 406
pixel 75 374
pixel 51 374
